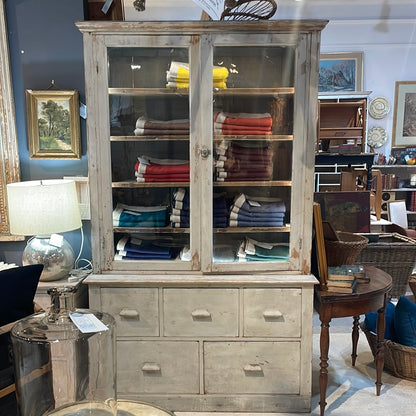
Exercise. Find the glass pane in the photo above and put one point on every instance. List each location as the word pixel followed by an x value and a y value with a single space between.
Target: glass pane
pixel 253 137
pixel 149 128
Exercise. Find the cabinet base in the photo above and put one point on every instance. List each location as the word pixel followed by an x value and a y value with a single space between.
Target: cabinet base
pixel 227 403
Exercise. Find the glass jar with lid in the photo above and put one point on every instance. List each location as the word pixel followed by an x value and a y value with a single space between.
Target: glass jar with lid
pixel 65 356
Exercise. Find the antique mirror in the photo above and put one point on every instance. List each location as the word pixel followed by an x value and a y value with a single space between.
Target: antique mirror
pixel 9 154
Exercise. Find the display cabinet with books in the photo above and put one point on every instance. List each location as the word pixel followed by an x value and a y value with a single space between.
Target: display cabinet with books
pixel 201 154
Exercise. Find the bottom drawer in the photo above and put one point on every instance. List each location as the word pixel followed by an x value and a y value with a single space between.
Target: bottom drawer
pixel 252 367
pixel 157 367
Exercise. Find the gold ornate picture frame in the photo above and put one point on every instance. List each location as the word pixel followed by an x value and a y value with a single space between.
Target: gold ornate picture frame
pixel 53 124
pixel 9 152
pixel 404 116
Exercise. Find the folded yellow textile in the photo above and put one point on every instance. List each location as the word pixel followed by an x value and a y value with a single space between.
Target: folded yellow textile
pixel 175 84
pixel 179 71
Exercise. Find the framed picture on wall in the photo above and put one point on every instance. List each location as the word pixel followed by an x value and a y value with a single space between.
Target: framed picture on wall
pixel 53 124
pixel 341 72
pixel 404 116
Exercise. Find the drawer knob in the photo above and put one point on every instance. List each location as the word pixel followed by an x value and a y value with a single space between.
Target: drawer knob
pixel 201 314
pixel 272 314
pixel 129 313
pixel 151 368
pixel 253 368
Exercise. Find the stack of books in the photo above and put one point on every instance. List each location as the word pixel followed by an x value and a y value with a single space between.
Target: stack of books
pixel 344 279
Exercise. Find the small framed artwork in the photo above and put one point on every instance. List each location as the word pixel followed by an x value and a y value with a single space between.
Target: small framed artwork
pixel 341 72
pixel 53 124
pixel 404 116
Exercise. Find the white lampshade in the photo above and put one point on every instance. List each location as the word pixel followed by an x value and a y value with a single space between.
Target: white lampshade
pixel 43 207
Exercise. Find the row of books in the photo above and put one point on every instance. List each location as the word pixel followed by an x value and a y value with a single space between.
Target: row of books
pixel 389 181
pixel 344 279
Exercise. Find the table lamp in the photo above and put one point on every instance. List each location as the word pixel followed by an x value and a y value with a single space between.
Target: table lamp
pixel 42 209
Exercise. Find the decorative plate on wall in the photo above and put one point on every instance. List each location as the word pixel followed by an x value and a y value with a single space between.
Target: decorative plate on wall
pixel 376 137
pixel 379 107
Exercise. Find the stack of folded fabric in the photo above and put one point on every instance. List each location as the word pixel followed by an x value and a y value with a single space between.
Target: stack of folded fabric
pixel 129 248
pixel 178 76
pixel 150 127
pixel 149 169
pixel 252 250
pixel 242 123
pixel 180 209
pixel 257 212
pixel 220 210
pixel 238 162
pixel 137 216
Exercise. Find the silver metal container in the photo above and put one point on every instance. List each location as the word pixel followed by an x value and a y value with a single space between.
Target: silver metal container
pixel 63 357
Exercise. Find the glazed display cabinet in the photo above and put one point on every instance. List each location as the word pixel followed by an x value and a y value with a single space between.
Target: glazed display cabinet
pixel 201 143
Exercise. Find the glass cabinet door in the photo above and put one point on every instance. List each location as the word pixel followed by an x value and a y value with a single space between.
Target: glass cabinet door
pixel 148 90
pixel 252 156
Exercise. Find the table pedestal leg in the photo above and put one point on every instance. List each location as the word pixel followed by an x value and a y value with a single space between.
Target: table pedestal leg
pixel 323 374
pixel 355 334
pixel 381 325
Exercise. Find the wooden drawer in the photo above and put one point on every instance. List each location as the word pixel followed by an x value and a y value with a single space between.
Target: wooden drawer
pixel 157 367
pixel 252 367
pixel 341 133
pixel 135 310
pixel 272 312
pixel 200 312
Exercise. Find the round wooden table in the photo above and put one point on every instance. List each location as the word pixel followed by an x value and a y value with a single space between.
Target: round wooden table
pixel 368 297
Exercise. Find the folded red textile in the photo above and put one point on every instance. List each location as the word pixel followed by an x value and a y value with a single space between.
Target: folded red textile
pixel 156 169
pixel 233 177
pixel 240 132
pixel 226 127
pixel 245 119
pixel 163 178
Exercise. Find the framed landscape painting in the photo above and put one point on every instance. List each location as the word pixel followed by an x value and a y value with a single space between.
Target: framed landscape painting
pixel 404 116
pixel 341 72
pixel 53 124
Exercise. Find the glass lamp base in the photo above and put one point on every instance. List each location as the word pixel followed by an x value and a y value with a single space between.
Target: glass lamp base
pixel 57 261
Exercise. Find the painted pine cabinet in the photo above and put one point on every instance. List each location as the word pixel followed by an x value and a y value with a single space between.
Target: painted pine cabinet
pixel 201 154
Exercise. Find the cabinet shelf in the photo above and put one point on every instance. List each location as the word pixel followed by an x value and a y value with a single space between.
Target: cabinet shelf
pixel 254 183
pixel 217 137
pixel 224 230
pixel 257 137
pixel 149 138
pixel 272 92
pixel 134 184
pixel 150 230
pixel 236 230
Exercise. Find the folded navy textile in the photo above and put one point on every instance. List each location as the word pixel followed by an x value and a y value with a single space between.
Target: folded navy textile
pixel 242 215
pixel 135 245
pixel 260 223
pixel 258 204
